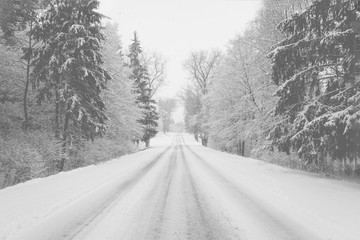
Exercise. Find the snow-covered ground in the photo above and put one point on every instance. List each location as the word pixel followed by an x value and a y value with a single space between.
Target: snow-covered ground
pixel 178 189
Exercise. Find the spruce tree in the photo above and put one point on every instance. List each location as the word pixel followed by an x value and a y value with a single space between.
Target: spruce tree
pixel 68 64
pixel 317 69
pixel 140 77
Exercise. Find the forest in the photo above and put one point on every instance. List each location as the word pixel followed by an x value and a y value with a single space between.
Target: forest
pixel 70 94
pixel 286 91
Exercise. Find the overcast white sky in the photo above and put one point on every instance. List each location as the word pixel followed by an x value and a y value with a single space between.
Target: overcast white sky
pixel 174 28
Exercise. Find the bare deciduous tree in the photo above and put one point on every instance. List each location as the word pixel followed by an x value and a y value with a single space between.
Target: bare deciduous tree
pixel 156 65
pixel 200 66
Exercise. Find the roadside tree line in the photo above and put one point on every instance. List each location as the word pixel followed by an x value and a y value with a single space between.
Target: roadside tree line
pixel 290 84
pixel 70 95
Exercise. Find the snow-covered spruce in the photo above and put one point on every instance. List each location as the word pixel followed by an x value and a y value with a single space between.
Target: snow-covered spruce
pixel 316 67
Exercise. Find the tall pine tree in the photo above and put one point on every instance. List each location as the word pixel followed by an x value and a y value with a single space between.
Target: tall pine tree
pixel 140 76
pixel 68 64
pixel 317 69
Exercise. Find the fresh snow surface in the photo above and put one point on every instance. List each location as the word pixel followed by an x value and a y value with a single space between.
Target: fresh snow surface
pixel 178 189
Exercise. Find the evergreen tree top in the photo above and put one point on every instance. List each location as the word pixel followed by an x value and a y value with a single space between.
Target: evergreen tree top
pixel 68 60
pixel 140 76
pixel 135 51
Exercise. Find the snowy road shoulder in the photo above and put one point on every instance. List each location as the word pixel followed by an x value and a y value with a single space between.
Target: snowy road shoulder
pixel 328 208
pixel 70 197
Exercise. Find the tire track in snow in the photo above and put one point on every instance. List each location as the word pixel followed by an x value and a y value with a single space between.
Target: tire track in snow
pixel 177 183
pixel 145 218
pixel 213 223
pixel 196 220
pixel 74 225
pixel 159 199
pixel 121 191
pixel 282 230
pixel 195 195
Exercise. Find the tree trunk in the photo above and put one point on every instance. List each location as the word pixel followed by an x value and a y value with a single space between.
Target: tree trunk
pixel 57 114
pixel 204 141
pixel 196 137
pixel 239 151
pixel 26 118
pixel 243 148
pixel 28 64
pixel 65 134
pixel 355 163
pixel 147 143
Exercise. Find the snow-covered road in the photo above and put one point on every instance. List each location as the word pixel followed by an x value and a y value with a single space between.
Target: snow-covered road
pixel 180 190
